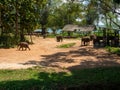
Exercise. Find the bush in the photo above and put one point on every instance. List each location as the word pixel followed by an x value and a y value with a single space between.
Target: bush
pixel 6 40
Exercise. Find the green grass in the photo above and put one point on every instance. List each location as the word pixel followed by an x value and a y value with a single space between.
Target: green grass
pixel 68 45
pixel 113 50
pixel 39 79
pixel 51 36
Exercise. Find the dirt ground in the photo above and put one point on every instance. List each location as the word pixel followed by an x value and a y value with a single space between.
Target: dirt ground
pixel 45 54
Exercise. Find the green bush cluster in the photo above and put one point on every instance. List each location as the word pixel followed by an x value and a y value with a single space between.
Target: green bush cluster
pixel 6 40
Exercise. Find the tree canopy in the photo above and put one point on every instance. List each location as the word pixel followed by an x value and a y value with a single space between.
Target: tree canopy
pixel 18 17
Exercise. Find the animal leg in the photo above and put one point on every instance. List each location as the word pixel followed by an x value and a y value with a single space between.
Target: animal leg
pixel 19 48
pixel 22 48
pixel 28 48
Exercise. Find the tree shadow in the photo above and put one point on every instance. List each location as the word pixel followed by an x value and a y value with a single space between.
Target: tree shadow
pixel 44 81
pixel 94 64
pixel 87 58
pixel 86 69
pixel 51 60
pixel 84 79
pixel 88 74
pixel 56 60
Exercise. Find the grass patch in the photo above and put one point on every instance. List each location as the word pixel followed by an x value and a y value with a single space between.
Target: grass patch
pixel 113 50
pixel 51 36
pixel 39 79
pixel 66 45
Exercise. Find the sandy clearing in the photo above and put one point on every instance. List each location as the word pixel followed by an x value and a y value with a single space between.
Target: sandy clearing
pixel 44 53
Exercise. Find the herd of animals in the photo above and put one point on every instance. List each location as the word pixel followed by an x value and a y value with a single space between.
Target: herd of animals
pixel 84 41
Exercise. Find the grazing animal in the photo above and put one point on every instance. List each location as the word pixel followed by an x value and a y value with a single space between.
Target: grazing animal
pixel 92 37
pixel 59 38
pixel 97 41
pixel 23 46
pixel 85 41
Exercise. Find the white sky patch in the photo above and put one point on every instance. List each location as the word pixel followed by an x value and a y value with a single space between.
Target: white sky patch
pixel 118 10
pixel 119 18
pixel 78 19
pixel 101 23
pixel 64 1
pixel 77 1
pixel 86 3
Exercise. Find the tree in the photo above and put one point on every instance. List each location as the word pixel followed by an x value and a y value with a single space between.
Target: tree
pixel 42 12
pixel 16 18
pixel 65 13
pixel 110 7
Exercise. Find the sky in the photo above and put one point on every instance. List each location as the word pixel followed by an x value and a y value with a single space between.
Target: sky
pixel 84 2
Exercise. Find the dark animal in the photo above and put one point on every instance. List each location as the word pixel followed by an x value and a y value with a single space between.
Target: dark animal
pixel 114 41
pixel 23 46
pixel 92 37
pixel 59 38
pixel 99 41
pixel 85 41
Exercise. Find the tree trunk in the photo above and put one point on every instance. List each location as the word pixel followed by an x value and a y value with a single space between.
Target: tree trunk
pixel 43 31
pixel 0 21
pixel 54 31
pixel 31 38
pixel 69 33
pixel 107 35
pixel 22 37
pixel 16 22
pixel 1 24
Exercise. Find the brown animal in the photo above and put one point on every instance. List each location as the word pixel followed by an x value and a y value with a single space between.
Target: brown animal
pixel 98 40
pixel 92 37
pixel 85 41
pixel 59 38
pixel 23 46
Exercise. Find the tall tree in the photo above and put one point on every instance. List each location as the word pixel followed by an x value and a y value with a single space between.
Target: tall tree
pixel 110 7
pixel 42 12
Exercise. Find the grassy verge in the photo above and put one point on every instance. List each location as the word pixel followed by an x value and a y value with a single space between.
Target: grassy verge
pixel 66 45
pixel 39 79
pixel 113 50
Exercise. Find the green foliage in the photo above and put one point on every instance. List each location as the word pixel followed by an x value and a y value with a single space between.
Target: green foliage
pixel 98 33
pixel 66 45
pixel 19 17
pixel 6 40
pixel 116 1
pixel 46 79
pixel 9 40
pixel 73 34
pixel 62 14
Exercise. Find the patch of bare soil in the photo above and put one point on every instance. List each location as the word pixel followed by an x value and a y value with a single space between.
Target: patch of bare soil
pixel 44 53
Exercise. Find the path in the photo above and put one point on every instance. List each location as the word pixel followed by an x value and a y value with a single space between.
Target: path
pixel 44 53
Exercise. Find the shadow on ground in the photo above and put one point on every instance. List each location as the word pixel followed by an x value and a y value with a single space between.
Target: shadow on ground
pixel 99 74
pixel 99 59
pixel 85 79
